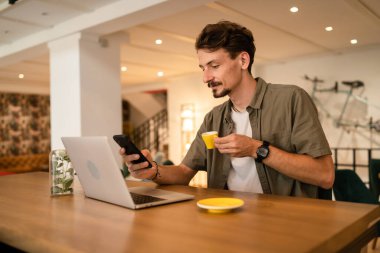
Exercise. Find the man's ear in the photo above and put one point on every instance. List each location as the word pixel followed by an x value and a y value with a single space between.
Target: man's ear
pixel 244 59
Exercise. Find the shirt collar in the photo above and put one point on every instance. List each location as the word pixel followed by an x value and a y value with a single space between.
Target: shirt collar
pixel 256 102
pixel 261 87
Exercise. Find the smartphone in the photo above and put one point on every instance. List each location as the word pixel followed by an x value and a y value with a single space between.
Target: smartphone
pixel 130 148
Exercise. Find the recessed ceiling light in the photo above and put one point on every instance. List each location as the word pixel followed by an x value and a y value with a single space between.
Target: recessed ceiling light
pixel 294 9
pixel 160 73
pixel 123 68
pixel 354 41
pixel 329 28
pixel 158 42
pixel 21 76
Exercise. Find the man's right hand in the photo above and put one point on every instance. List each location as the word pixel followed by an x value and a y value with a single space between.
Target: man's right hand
pixel 139 170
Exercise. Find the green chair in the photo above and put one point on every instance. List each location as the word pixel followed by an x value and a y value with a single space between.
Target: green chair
pixel 374 180
pixel 349 187
pixel 324 194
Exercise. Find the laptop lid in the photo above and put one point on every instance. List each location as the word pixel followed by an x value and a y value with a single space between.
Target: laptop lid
pixel 101 178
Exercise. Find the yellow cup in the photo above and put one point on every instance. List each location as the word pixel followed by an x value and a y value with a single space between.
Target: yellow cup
pixel 208 138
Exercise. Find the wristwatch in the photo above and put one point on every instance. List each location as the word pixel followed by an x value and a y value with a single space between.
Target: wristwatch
pixel 262 152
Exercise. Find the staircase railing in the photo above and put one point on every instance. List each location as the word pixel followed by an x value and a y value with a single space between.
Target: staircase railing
pixel 153 132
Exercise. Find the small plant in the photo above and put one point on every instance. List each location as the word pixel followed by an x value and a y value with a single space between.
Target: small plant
pixel 61 173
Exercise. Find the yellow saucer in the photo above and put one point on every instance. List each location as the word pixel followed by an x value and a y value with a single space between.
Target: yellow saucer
pixel 220 205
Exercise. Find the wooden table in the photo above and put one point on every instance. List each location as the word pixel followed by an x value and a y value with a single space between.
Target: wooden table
pixel 33 221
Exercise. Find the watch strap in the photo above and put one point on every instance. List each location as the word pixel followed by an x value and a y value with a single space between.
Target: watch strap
pixel 260 158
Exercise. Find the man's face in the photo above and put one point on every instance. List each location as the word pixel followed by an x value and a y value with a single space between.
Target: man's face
pixel 221 73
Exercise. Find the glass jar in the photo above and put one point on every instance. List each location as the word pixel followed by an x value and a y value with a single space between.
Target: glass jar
pixel 61 173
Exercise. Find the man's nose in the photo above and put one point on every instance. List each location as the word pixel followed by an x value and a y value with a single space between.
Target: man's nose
pixel 206 76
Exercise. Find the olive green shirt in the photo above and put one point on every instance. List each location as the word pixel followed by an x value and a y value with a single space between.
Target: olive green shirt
pixel 283 115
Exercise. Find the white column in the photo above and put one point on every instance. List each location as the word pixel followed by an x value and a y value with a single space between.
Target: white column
pixel 85 91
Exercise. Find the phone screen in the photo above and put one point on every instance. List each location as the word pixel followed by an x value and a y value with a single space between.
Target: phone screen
pixel 130 148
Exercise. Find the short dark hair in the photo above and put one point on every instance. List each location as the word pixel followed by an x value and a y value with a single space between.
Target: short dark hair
pixel 230 36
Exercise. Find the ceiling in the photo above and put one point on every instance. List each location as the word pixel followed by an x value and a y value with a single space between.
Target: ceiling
pixel 280 35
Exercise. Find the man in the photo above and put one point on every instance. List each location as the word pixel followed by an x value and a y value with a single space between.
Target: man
pixel 270 139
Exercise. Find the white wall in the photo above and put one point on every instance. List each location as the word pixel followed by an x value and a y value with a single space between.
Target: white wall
pixel 363 64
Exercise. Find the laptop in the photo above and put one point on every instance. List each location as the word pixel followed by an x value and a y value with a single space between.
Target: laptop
pixel 101 178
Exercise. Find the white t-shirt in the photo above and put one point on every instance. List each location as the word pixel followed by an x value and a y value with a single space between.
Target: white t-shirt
pixel 243 175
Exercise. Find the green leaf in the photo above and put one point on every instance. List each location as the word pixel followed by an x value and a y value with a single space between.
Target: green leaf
pixel 67 184
pixel 56 189
pixel 57 172
pixel 58 180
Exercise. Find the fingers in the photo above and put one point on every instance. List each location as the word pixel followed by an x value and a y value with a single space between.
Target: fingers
pixel 142 173
pixel 221 140
pixel 122 151
pixel 128 159
pixel 226 143
pixel 138 170
pixel 227 139
pixel 138 166
pixel 147 154
pixel 230 151
pixel 234 145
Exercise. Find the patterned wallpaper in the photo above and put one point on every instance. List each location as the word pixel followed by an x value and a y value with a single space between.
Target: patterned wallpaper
pixel 24 124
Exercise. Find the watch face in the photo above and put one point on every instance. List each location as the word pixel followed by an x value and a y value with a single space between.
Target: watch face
pixel 263 152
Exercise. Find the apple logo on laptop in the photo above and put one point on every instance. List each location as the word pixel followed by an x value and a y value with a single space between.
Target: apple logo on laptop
pixel 93 170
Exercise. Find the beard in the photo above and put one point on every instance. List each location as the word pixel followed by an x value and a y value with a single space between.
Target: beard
pixel 222 93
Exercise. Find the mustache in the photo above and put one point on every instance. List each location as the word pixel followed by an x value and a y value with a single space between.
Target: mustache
pixel 213 84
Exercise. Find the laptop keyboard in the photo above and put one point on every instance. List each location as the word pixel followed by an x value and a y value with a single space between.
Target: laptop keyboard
pixel 142 199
